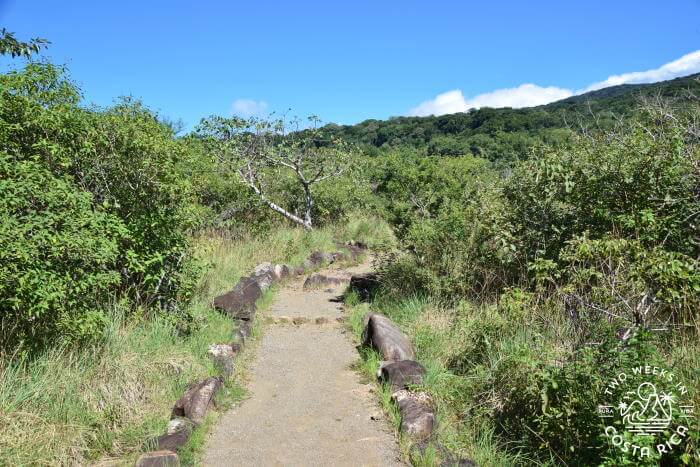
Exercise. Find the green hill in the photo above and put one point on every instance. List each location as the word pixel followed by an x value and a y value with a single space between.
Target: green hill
pixel 506 134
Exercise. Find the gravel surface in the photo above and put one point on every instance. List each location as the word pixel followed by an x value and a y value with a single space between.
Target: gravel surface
pixel 306 405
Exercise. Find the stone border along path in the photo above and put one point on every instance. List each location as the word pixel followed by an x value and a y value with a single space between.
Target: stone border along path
pixel 307 406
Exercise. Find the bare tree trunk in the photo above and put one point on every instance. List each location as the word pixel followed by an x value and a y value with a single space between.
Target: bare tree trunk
pixel 280 209
pixel 309 206
pixel 288 215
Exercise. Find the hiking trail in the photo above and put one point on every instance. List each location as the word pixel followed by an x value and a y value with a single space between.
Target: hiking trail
pixel 306 405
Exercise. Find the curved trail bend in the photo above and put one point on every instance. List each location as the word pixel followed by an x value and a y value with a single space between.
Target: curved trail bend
pixel 306 405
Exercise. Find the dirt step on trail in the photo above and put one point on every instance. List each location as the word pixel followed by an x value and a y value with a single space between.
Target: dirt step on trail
pixel 306 405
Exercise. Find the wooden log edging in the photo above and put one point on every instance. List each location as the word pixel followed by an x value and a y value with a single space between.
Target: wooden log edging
pixel 240 304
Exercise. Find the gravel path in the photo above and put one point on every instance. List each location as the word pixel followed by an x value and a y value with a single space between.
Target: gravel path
pixel 306 406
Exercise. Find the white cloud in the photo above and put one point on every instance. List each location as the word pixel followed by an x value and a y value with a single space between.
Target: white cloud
pixel 248 107
pixel 686 65
pixel 525 95
pixel 528 95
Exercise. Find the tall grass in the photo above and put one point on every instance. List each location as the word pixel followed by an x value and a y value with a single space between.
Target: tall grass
pixel 77 406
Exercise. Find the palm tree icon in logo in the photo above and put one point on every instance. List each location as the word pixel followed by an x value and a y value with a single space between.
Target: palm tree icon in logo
pixel 649 412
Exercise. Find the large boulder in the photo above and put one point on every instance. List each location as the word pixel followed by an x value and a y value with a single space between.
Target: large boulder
pixel 384 336
pixel 365 285
pixel 402 374
pixel 194 403
pixel 321 280
pixel 264 274
pixel 417 416
pixel 158 459
pixel 240 301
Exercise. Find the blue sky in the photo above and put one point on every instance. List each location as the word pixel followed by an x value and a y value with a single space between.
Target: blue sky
pixel 349 61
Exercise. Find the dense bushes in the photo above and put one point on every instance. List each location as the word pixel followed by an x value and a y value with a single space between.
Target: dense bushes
pixel 58 255
pixel 94 202
pixel 573 265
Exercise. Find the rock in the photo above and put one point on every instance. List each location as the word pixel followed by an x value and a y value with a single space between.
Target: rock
pixel 222 356
pixel 264 274
pixel 383 335
pixel 176 436
pixel 244 328
pixel 281 271
pixel 320 280
pixel 365 285
pixel 158 459
pixel 339 256
pixel 240 302
pixel 178 424
pixel 358 245
pixel 417 417
pixel 194 403
pixel 298 320
pixel 299 271
pixel 318 258
pixel 402 374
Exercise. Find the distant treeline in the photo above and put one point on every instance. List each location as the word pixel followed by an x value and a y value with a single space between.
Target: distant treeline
pixel 507 134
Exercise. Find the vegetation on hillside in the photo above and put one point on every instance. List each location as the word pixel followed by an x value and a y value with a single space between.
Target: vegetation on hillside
pixel 506 135
pixel 527 292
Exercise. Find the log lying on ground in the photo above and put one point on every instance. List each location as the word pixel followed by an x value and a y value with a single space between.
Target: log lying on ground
pixel 195 402
pixel 264 275
pixel 385 337
pixel 244 329
pixel 281 271
pixel 401 375
pixel 417 417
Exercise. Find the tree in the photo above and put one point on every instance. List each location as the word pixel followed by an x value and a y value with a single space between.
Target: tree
pixel 9 45
pixel 259 151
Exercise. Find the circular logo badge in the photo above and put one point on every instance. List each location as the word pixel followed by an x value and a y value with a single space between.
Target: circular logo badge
pixel 648 411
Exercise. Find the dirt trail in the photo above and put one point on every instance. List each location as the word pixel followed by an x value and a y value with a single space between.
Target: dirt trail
pixel 306 405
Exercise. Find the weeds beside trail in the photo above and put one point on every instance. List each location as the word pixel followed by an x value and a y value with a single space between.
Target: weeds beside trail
pixel 487 371
pixel 104 402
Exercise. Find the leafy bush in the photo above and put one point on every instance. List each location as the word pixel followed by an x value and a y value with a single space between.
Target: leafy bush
pixel 95 203
pixel 58 256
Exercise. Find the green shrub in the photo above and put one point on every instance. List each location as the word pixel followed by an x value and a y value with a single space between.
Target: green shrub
pixel 58 256
pixel 95 203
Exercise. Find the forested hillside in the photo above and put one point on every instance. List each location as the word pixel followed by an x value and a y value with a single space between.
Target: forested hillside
pixel 507 134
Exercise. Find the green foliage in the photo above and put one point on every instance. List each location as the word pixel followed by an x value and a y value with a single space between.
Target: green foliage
pixel 9 45
pixel 505 135
pixel 567 259
pixel 58 256
pixel 95 203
